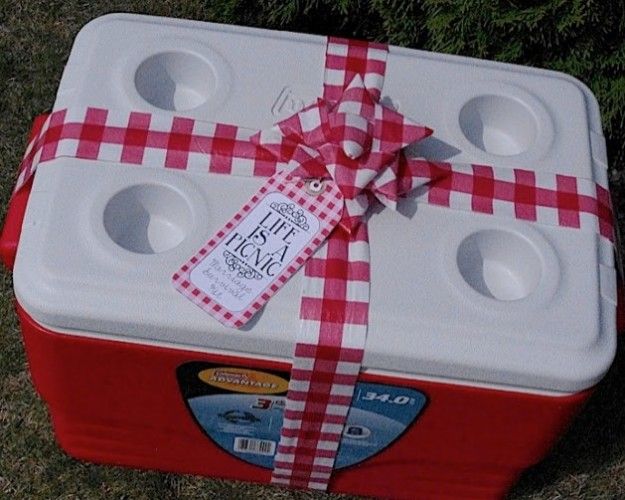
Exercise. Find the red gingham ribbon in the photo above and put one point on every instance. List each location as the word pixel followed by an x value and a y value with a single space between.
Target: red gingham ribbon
pixel 137 138
pixel 352 139
pixel 334 305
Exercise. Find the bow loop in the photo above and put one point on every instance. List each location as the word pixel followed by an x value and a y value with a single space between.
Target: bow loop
pixel 394 131
pixel 357 100
pixel 352 133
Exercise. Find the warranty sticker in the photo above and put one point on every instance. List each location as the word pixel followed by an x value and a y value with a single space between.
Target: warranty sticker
pixel 247 261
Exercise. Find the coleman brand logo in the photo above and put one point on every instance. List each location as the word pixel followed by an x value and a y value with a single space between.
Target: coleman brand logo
pixel 243 380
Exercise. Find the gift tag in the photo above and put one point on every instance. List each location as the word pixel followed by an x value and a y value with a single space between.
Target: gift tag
pixel 261 247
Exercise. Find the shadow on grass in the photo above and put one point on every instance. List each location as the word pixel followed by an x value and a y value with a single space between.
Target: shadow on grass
pixel 595 440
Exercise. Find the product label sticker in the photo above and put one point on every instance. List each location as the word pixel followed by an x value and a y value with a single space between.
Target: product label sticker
pixel 247 261
pixel 241 410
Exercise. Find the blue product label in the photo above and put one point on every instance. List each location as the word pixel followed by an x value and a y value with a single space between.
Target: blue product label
pixel 241 410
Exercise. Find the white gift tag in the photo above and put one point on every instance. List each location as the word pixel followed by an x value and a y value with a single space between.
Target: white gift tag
pixel 260 248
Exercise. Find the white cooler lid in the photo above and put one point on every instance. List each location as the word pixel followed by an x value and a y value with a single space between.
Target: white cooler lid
pixel 456 296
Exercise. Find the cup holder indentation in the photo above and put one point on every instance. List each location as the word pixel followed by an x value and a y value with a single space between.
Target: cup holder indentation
pixel 499 264
pixel 498 125
pixel 147 218
pixel 175 81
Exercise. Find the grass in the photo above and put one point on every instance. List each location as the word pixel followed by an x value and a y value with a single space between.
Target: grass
pixel 35 40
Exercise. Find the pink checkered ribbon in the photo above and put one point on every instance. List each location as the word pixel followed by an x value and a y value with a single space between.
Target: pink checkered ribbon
pixel 154 140
pixel 137 138
pixel 348 138
pixel 351 139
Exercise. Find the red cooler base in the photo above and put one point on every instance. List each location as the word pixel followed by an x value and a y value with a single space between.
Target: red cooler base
pixel 120 403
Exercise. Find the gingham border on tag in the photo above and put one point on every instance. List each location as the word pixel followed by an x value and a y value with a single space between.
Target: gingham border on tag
pixel 327 206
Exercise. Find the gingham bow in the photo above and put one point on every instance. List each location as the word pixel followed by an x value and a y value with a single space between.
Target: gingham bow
pixel 355 141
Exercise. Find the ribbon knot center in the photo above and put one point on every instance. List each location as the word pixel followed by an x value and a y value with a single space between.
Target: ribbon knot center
pixel 356 141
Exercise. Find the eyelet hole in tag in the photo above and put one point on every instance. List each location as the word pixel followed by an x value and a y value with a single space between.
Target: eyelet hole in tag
pixel 248 260
pixel 314 186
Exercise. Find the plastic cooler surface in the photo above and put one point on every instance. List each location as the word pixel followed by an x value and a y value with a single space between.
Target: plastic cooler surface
pixel 458 296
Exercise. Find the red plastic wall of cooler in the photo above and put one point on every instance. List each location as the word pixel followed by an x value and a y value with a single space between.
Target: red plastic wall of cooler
pixel 119 403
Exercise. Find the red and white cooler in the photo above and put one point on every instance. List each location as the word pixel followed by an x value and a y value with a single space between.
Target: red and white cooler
pixel 486 332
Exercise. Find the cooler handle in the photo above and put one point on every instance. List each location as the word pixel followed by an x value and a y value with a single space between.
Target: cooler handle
pixel 12 229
